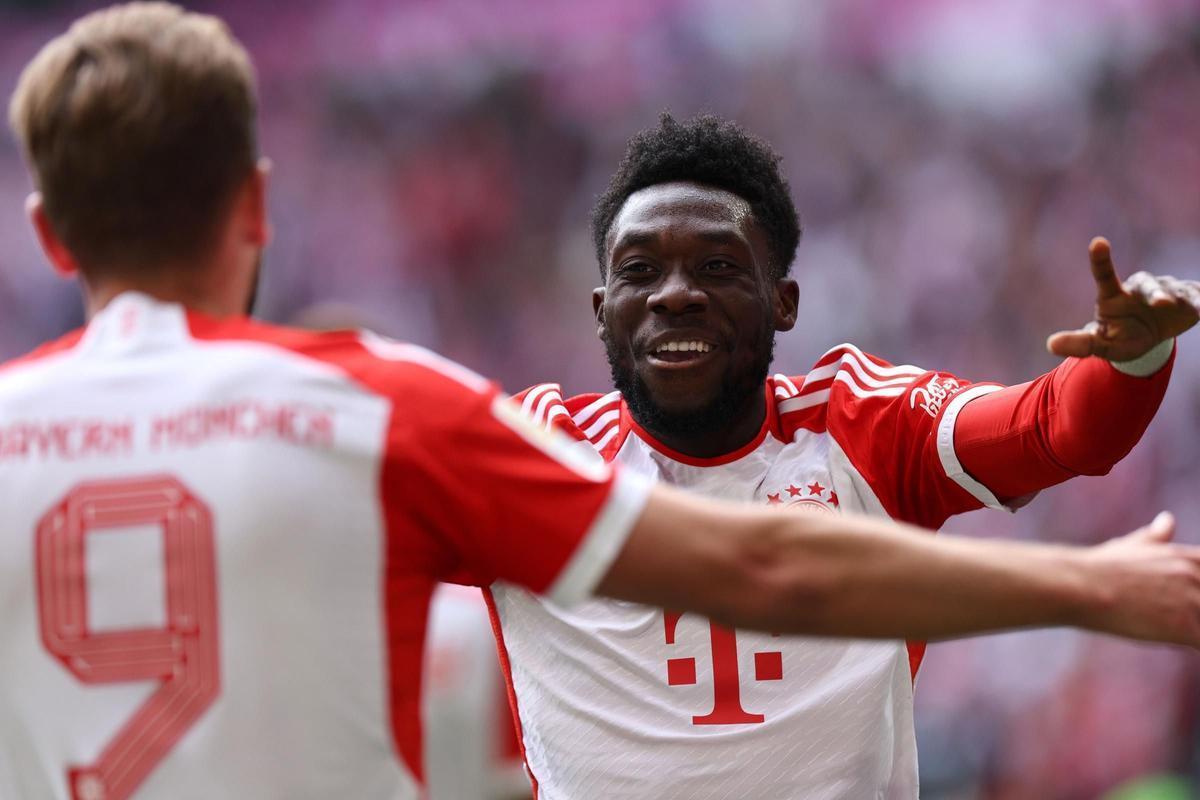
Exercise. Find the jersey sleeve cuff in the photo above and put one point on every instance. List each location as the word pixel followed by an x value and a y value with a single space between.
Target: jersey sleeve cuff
pixel 603 541
pixel 949 458
pixel 1149 362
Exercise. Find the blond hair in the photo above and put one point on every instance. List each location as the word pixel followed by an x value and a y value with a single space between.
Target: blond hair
pixel 139 125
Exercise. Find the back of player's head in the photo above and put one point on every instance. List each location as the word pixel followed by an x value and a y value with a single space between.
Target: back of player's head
pixel 139 126
pixel 710 151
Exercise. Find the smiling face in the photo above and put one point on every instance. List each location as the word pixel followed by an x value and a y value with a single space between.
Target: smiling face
pixel 689 309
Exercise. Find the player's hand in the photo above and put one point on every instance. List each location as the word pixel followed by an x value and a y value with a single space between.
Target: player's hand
pixel 1151 586
pixel 1131 317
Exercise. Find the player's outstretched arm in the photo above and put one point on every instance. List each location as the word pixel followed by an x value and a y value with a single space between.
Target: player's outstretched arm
pixel 1088 413
pixel 848 575
pixel 1131 318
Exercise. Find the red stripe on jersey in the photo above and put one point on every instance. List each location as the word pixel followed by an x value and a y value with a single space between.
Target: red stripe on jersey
pixel 506 668
pixel 810 419
pixel 501 509
pixel 60 345
pixel 588 408
pixel 543 404
pixel 539 402
pixel 576 416
pixel 406 603
pixel 858 372
pixel 785 387
pixel 873 365
pixel 916 654
pixel 586 411
pixel 870 372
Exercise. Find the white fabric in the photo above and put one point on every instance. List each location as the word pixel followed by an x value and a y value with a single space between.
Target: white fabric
pixel 604 541
pixel 260 654
pixel 945 446
pixel 1147 363
pixel 837 725
pixel 281 630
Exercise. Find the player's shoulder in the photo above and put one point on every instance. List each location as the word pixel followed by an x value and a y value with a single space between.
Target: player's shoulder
pixel 843 379
pixel 380 364
pixel 60 346
pixel 29 372
pixel 592 417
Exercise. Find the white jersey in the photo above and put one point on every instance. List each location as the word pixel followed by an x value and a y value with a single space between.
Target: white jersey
pixel 622 701
pixel 219 543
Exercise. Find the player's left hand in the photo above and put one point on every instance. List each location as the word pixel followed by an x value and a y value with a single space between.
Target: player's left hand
pixel 1131 317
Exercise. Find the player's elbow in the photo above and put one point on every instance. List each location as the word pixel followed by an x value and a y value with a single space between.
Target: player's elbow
pixel 1098 453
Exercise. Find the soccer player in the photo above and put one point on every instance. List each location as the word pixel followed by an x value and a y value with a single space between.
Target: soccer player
pixel 220 538
pixel 695 237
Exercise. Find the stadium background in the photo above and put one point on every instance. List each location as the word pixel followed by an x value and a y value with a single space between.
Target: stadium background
pixel 435 162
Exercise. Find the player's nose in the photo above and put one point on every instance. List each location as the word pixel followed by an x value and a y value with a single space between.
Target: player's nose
pixel 677 293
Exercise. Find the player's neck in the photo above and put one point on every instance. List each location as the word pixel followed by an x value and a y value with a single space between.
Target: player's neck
pixel 190 294
pixel 739 429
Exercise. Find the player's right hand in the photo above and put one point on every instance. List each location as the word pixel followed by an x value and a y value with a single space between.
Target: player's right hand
pixel 1150 586
pixel 1130 317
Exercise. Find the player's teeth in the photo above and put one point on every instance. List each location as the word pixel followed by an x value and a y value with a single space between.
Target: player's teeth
pixel 684 347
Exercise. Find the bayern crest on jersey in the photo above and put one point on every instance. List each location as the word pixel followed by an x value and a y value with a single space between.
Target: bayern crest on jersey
pixel 813 494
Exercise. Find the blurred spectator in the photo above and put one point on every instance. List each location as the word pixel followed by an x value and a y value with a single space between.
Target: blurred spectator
pixel 435 163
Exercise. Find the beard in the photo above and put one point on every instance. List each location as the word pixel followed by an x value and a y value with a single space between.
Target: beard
pixel 738 390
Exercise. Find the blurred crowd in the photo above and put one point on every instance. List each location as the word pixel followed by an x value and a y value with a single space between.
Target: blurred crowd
pixel 435 162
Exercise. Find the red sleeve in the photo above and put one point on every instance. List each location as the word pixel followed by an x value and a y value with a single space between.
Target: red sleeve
pixel 885 420
pixel 499 497
pixel 930 445
pixel 471 492
pixel 1080 418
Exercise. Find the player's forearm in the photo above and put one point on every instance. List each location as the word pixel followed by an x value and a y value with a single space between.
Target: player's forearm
pixel 879 580
pixel 1079 419
pixel 842 575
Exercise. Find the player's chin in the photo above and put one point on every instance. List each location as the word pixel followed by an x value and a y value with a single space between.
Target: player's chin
pixel 682 391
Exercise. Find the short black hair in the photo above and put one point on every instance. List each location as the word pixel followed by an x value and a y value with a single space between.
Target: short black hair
pixel 713 152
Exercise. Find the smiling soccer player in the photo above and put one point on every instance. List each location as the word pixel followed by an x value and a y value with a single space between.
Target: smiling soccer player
pixel 695 238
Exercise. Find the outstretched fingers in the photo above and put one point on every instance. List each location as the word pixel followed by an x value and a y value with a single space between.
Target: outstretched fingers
pixel 1150 289
pixel 1103 271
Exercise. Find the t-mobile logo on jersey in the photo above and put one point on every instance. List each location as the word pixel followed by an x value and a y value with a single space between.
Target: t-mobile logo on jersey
pixel 727 680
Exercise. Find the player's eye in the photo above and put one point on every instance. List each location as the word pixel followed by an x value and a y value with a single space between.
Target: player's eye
pixel 635 269
pixel 718 265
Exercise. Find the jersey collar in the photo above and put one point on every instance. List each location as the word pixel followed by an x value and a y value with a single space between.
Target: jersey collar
pixel 770 426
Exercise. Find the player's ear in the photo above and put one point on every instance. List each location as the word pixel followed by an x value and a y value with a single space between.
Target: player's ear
pixel 598 295
pixel 787 300
pixel 257 224
pixel 56 251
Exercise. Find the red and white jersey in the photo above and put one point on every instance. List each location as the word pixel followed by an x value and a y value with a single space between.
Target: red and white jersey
pixel 219 540
pixel 622 701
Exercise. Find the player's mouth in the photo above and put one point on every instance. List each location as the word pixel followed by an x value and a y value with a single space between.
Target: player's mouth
pixel 680 352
